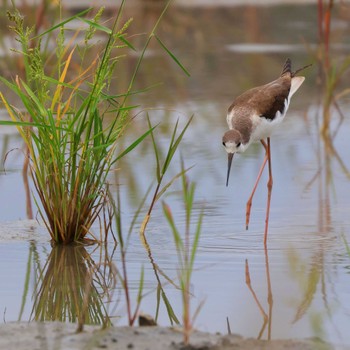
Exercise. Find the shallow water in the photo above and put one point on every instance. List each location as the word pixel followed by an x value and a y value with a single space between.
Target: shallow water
pixel 304 273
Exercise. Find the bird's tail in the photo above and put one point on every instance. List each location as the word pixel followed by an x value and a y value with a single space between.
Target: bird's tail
pixel 287 68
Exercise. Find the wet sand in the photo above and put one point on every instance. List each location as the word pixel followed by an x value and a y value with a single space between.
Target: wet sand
pixel 40 336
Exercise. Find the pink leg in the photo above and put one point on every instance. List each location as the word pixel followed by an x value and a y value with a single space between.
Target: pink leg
pixel 250 200
pixel 269 189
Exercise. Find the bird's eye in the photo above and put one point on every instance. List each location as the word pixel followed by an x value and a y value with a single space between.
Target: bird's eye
pixel 223 143
pixel 238 144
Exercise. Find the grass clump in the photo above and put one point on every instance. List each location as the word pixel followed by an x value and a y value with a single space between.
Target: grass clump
pixel 69 121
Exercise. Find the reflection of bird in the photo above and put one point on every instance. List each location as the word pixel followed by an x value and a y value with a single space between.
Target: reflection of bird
pixel 253 116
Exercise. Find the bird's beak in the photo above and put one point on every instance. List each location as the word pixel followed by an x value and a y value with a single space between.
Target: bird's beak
pixel 229 158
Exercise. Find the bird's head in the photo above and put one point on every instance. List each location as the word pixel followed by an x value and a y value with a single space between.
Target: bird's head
pixel 232 141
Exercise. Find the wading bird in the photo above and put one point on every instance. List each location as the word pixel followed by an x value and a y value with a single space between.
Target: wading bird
pixel 253 116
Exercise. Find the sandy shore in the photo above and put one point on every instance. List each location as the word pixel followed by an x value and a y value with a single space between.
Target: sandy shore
pixel 45 336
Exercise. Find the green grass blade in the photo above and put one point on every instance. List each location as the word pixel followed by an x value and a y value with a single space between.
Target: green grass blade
pixel 134 144
pixel 32 95
pixel 172 56
pixel 174 145
pixel 142 55
pixel 189 201
pixel 140 290
pixel 96 25
pixel 347 247
pixel 12 86
pixel 58 83
pixel 177 237
pixel 163 190
pixel 121 37
pixel 196 239
pixel 168 155
pixel 158 301
pixel 124 109
pixel 82 13
pixel 155 148
pixel 19 123
pixel 170 311
pixel 135 92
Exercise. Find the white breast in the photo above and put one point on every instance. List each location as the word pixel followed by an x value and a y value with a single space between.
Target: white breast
pixel 263 128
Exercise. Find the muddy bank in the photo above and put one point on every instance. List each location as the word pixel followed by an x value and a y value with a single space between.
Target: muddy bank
pixel 23 336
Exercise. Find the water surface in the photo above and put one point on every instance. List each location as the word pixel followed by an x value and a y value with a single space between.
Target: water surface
pixel 301 281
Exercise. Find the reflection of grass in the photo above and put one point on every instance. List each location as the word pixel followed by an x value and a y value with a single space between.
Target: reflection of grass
pixel 347 247
pixel 61 292
pixel 309 278
pixel 122 273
